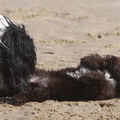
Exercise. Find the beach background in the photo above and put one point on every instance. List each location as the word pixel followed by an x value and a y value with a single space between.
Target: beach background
pixel 65 31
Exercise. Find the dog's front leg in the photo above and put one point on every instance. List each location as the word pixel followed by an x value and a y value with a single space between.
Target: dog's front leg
pixel 39 94
pixel 20 98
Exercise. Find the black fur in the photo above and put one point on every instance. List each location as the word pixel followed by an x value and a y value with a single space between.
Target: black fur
pixel 17 59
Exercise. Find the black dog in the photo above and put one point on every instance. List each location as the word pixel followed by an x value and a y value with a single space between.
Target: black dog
pixel 17 58
pixel 96 78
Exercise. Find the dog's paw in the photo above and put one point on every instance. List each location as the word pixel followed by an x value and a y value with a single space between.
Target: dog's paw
pixel 19 99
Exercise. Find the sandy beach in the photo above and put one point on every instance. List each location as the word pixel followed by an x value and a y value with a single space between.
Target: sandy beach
pixel 65 31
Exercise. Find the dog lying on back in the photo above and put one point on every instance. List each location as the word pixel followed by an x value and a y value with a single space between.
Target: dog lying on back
pixel 96 78
pixel 17 58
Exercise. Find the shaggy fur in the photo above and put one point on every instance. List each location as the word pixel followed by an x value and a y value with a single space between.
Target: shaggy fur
pixel 17 58
pixel 92 62
pixel 112 65
pixel 72 84
pixel 96 78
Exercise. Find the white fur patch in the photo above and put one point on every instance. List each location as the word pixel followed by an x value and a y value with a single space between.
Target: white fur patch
pixel 78 73
pixel 34 79
pixel 107 76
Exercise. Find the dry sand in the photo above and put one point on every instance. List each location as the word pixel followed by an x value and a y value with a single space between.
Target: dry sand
pixel 64 31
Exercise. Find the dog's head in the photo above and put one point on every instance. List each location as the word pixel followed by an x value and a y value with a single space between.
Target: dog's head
pixel 17 55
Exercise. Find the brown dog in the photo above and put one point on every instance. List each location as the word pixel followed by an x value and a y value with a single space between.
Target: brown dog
pixel 96 78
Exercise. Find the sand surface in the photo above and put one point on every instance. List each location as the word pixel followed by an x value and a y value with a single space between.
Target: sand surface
pixel 63 32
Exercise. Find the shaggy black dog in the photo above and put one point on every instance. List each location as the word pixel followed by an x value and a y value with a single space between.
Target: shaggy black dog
pixel 96 78
pixel 17 58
